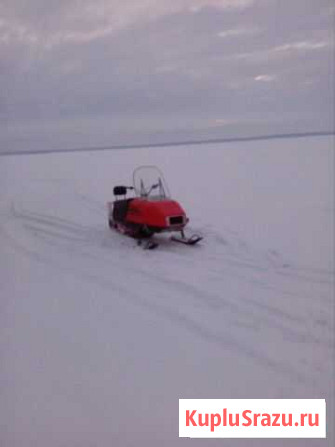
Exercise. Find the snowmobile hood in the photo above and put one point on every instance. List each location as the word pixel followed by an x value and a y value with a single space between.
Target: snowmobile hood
pixel 153 213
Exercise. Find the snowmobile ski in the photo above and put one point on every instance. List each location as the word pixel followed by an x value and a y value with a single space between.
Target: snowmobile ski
pixel 192 240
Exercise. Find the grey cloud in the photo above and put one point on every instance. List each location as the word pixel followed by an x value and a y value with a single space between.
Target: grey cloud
pixel 266 67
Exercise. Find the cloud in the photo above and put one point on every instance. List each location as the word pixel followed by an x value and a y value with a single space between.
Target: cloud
pixel 300 46
pixel 264 78
pixel 197 5
pixel 285 50
pixel 156 65
pixel 84 21
pixel 235 32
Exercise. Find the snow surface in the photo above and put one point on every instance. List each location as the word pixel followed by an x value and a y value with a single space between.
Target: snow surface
pixel 99 338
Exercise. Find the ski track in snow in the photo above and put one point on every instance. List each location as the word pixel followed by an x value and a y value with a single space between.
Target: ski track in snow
pixel 228 259
pixel 253 311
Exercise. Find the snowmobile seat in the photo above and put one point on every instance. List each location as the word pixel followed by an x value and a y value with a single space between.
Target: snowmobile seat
pixel 120 190
pixel 120 210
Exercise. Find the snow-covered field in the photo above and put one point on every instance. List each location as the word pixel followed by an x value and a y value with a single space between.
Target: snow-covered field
pixel 99 338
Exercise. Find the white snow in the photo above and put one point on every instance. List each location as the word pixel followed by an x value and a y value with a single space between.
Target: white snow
pixel 99 338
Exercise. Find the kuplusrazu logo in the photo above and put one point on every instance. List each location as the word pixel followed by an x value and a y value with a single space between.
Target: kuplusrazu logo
pixel 252 418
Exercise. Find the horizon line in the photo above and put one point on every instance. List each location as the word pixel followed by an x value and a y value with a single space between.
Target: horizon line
pixel 167 144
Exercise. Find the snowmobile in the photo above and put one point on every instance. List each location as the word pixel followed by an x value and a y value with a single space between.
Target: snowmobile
pixel 150 210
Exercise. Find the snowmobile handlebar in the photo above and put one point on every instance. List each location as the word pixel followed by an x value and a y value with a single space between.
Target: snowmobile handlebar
pixel 154 186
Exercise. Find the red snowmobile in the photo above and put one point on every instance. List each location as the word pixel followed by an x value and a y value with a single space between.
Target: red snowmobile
pixel 150 211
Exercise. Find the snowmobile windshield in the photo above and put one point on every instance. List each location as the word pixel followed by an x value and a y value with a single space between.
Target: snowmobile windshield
pixel 149 182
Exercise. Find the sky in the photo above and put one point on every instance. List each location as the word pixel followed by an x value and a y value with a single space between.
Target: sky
pixel 78 73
